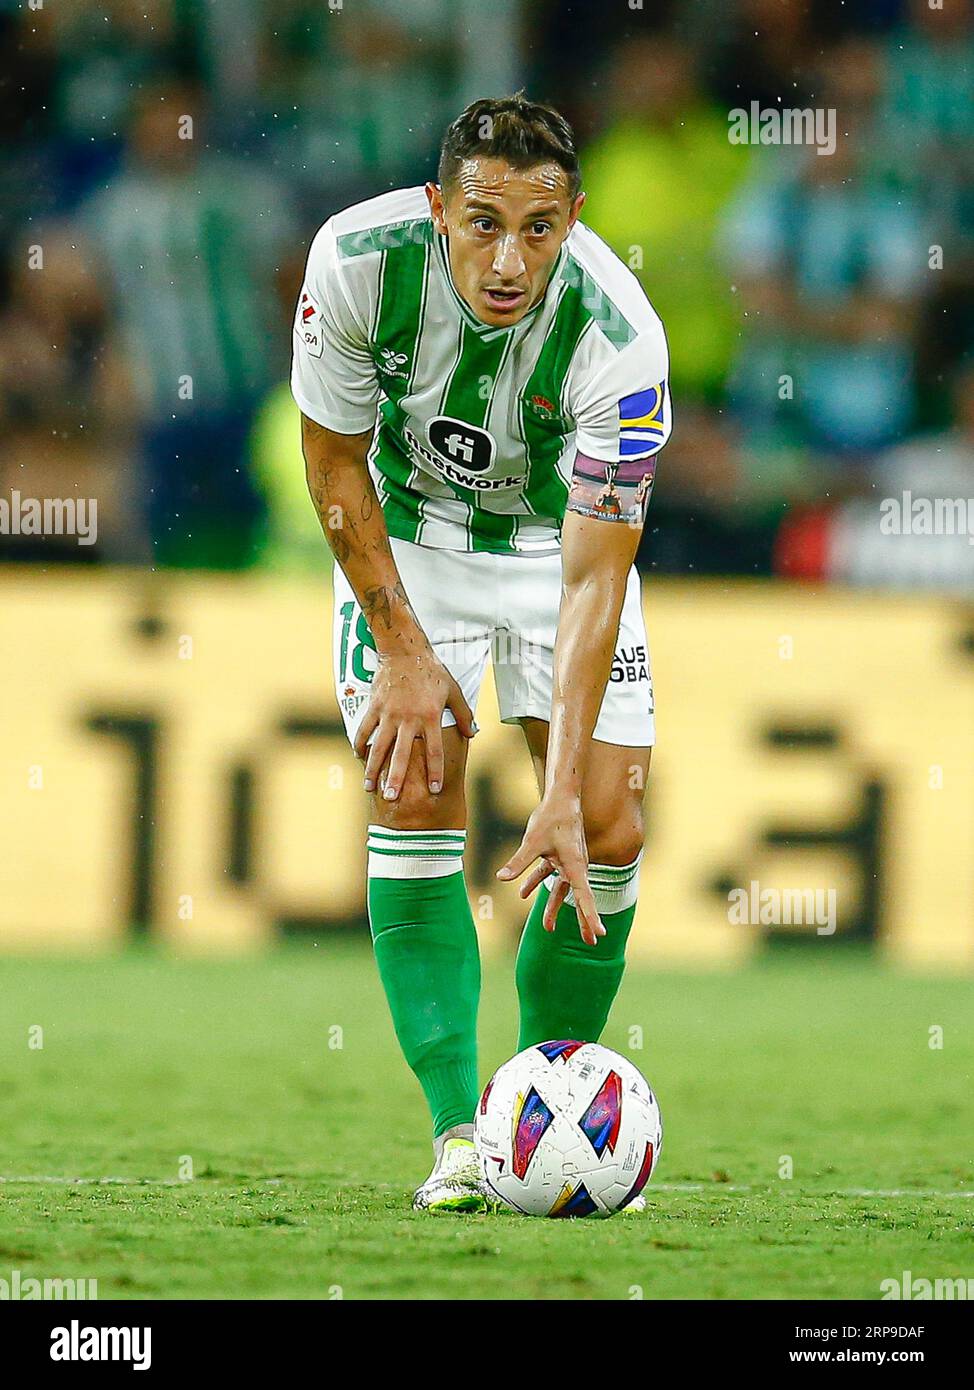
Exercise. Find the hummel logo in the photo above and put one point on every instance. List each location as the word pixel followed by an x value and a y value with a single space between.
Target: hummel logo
pixel 393 361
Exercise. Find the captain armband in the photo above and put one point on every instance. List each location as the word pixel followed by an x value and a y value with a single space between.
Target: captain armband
pixel 612 491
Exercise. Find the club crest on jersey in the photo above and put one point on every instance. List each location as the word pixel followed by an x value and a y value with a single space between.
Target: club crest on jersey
pixel 307 324
pixel 543 407
pixel 461 454
pixel 352 699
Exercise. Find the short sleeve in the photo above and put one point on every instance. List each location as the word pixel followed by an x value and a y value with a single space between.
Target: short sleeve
pixel 622 411
pixel 333 376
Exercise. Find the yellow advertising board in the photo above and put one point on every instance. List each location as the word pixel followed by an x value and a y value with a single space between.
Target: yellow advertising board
pixel 172 763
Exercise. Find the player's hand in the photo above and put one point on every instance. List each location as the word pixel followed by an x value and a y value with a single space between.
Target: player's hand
pixel 410 691
pixel 555 834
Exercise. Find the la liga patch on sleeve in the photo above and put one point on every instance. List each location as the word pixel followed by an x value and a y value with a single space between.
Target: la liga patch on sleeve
pixel 307 323
pixel 641 425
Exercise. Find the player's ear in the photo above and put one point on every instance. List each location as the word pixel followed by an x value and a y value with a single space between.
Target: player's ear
pixel 575 209
pixel 435 195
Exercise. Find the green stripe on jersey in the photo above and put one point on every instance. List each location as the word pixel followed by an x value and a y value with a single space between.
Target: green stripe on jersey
pixel 467 398
pixel 546 491
pixel 399 323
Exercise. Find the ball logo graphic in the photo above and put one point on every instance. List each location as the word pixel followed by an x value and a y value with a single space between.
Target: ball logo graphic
pixel 568 1128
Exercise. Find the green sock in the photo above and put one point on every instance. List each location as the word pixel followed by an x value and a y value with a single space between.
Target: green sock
pixel 565 988
pixel 429 962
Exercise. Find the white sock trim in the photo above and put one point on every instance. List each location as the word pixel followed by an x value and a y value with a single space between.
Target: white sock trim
pixel 614 886
pixel 415 853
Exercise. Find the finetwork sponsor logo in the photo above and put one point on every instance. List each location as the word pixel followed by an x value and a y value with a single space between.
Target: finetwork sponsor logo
pixel 755 906
pixel 463 476
pixel 927 516
pixel 926 1290
pixel 783 125
pixel 18 1289
pixel 77 1343
pixel 49 516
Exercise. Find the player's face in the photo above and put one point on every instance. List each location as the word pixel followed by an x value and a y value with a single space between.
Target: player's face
pixel 505 227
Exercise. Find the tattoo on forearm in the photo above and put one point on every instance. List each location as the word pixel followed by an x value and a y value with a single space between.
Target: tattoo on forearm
pixel 320 484
pixel 377 604
pixel 349 523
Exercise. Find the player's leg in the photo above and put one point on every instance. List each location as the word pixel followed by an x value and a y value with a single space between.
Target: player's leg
pixel 426 949
pixel 565 987
pixel 424 935
pixel 422 928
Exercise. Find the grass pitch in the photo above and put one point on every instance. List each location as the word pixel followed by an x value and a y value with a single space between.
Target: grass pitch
pixel 304 1153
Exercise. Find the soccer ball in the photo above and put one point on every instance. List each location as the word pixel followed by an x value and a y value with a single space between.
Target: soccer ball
pixel 568 1129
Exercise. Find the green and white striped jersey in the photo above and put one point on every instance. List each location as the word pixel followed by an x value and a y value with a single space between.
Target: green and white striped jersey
pixel 478 426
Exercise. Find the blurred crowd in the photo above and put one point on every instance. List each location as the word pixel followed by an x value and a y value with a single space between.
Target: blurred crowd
pixel 166 162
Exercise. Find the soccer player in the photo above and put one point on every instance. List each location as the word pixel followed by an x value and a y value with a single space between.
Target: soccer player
pixel 483 386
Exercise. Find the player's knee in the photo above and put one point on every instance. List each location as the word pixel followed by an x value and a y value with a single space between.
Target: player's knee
pixel 617 839
pixel 417 808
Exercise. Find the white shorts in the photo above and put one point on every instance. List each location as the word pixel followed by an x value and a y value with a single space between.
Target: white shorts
pixel 472 605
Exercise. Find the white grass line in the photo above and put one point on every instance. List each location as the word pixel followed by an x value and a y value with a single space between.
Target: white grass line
pixel 689 1187
pixel 900 1192
pixel 58 1180
pixel 807 1192
pixel 94 1182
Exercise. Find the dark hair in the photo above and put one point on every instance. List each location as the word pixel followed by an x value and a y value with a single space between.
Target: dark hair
pixel 523 132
